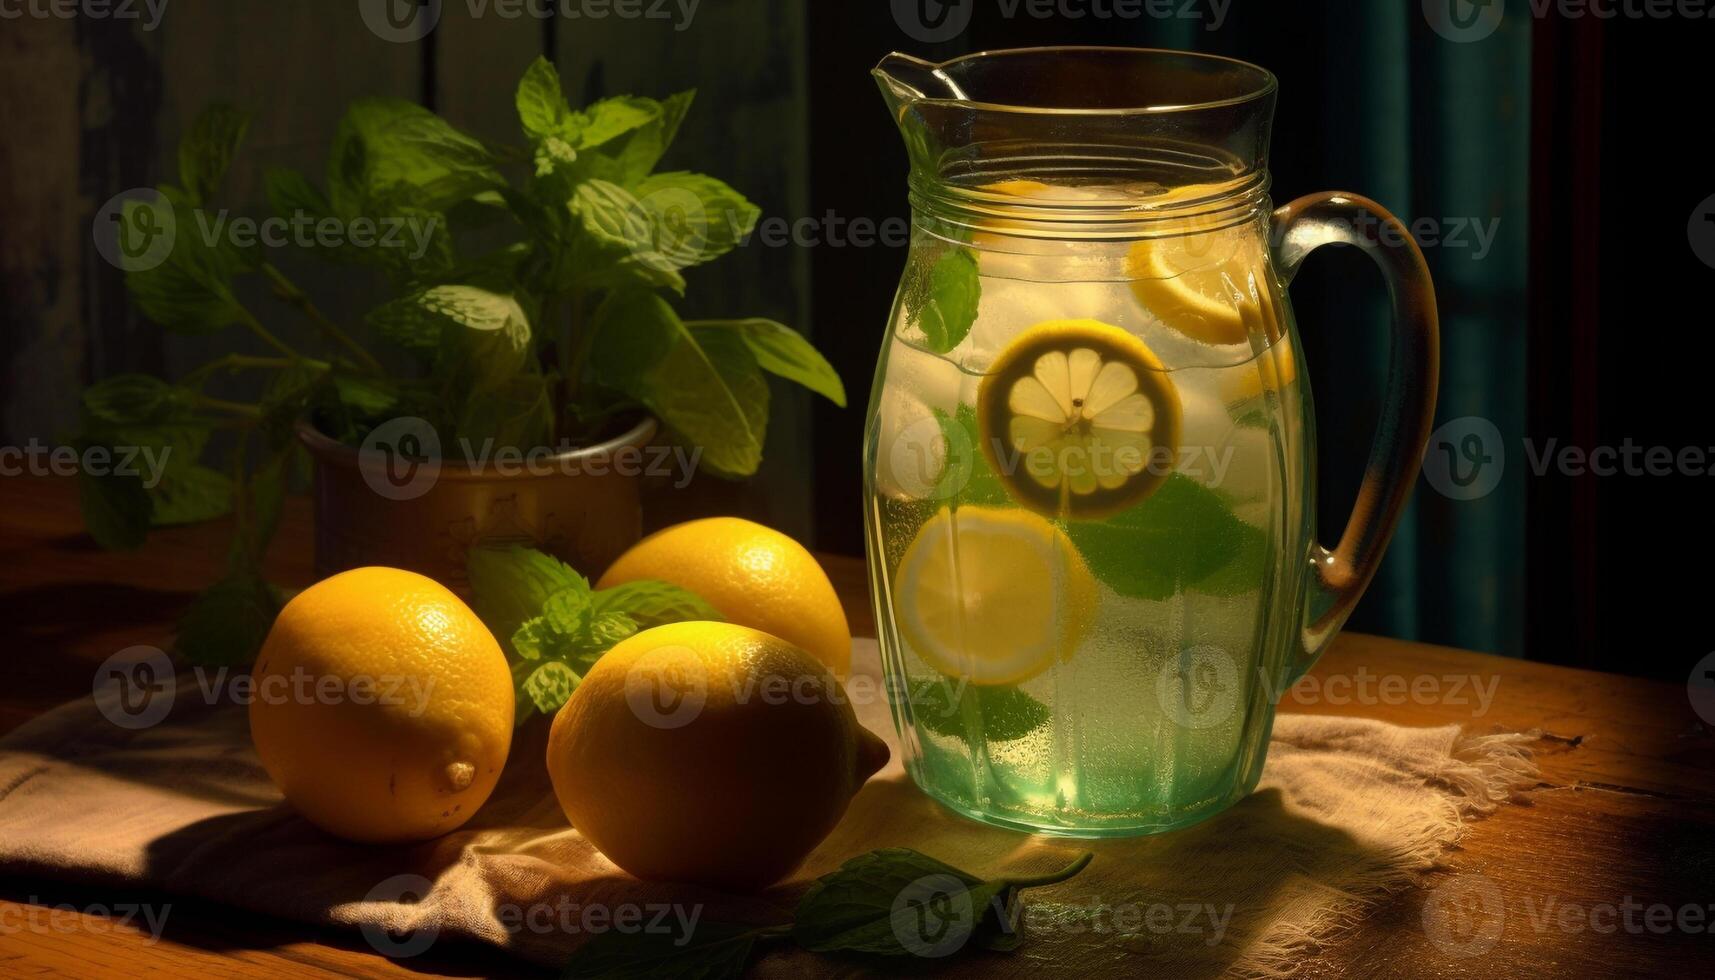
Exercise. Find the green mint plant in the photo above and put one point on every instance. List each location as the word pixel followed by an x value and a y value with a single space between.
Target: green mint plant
pixel 553 337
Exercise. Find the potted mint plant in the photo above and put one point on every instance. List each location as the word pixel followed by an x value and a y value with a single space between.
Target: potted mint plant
pixel 503 393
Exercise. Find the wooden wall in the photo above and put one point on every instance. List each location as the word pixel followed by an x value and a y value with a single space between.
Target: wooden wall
pixel 96 107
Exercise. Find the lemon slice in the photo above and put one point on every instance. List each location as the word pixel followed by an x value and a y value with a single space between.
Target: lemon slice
pixel 1199 284
pixel 991 595
pixel 1078 419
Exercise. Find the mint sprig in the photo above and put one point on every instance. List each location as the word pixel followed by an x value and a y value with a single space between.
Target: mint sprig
pixel 888 903
pixel 555 627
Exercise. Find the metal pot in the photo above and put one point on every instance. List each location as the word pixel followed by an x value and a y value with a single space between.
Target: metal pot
pixel 395 501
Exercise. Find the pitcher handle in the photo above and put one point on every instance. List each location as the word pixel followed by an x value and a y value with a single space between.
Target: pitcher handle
pixel 1339 577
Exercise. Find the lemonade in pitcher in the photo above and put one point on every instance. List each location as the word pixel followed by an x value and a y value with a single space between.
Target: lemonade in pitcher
pixel 1089 452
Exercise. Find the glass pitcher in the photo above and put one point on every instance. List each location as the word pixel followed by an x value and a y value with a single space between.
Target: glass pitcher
pixel 1089 455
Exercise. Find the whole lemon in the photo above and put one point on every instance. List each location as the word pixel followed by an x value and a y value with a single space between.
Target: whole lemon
pixel 708 753
pixel 750 574
pixel 382 707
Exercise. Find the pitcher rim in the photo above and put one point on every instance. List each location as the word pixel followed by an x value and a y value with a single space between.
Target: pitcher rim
pixel 1268 86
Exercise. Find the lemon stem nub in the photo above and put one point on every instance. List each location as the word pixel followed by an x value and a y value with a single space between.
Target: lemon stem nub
pixel 459 775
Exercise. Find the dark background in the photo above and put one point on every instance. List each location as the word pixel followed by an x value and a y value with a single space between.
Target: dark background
pixel 1583 136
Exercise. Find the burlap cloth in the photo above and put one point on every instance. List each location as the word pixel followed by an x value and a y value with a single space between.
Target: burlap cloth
pixel 1349 810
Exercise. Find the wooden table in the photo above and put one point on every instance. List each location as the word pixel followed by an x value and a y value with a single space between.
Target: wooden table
pixel 1623 817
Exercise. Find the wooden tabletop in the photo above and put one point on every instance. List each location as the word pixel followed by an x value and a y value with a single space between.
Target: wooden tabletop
pixel 1608 869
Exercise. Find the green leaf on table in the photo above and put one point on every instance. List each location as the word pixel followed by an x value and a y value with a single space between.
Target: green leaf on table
pixel 784 352
pixel 226 625
pixel 548 686
pixel 703 383
pixel 695 218
pixel 710 951
pixel 1178 538
pixel 651 603
pixel 947 306
pixel 510 585
pixel 882 902
pixel 1006 712
pixel 206 151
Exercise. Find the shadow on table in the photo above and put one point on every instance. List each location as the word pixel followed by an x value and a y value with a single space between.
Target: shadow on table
pixel 1192 901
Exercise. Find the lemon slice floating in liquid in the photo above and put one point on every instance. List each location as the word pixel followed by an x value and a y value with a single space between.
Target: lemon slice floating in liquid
pixel 1198 284
pixel 992 595
pixel 1078 419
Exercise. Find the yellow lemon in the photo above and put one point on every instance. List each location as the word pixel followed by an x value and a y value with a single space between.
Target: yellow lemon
pixel 1079 419
pixel 752 575
pixel 708 753
pixel 996 596
pixel 382 706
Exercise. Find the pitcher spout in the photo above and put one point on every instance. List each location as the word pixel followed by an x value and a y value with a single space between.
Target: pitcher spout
pixel 905 79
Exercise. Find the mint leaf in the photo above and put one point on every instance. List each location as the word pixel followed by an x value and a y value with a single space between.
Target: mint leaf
pixel 226 625
pixel 650 603
pixel 548 686
pixel 189 494
pixel 129 399
pixel 712 951
pixel 704 383
pixel 613 216
pixel 1006 712
pixel 1177 538
pixel 510 585
pixel 495 342
pixel 785 352
pixel 290 194
pixel 607 120
pixel 388 152
pixel 541 101
pixel 947 307
pixel 695 218
pixel 116 509
pixel 649 143
pixel 880 903
pixel 190 292
pixel 517 412
pixel 206 151
pixel 967 478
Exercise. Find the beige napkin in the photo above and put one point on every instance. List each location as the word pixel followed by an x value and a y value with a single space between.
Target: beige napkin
pixel 1348 811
